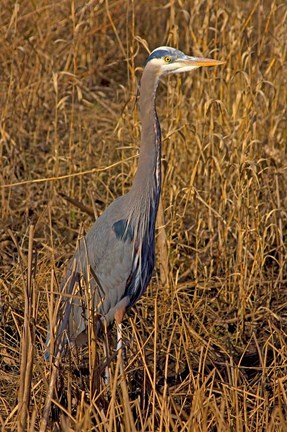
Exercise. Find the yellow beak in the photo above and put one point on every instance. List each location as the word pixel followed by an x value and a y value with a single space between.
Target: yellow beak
pixel 197 61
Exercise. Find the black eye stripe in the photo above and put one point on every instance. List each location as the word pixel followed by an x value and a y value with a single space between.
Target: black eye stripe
pixel 161 53
pixel 158 54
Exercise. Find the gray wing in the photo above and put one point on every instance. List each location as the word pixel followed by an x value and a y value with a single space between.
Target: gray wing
pixel 102 264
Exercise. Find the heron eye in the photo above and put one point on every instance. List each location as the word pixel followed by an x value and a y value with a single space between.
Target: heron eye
pixel 167 59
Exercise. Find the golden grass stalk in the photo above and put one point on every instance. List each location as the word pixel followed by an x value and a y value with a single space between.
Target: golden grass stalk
pixel 27 340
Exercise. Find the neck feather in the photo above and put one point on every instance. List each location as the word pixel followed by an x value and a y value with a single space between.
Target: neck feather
pixel 147 181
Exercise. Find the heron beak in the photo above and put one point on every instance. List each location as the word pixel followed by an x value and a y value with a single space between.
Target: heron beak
pixel 188 63
pixel 197 62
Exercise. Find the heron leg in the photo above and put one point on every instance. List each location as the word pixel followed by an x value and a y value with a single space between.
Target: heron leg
pixel 119 315
pixel 107 369
pixel 119 336
pixel 121 348
pixel 106 354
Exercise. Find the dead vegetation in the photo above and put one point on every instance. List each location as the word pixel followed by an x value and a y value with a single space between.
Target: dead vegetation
pixel 206 351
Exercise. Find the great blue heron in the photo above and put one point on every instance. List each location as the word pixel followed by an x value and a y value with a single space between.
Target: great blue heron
pixel 116 258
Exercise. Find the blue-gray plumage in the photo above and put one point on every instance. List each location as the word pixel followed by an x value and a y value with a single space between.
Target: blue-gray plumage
pixel 116 258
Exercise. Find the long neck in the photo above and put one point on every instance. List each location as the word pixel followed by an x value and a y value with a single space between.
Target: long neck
pixel 147 181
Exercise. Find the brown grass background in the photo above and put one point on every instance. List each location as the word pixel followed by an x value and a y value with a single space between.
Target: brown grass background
pixel 206 348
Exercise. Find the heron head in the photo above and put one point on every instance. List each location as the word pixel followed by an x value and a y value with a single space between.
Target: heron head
pixel 167 60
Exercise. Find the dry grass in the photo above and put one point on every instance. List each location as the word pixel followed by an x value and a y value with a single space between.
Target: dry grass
pixel 207 350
